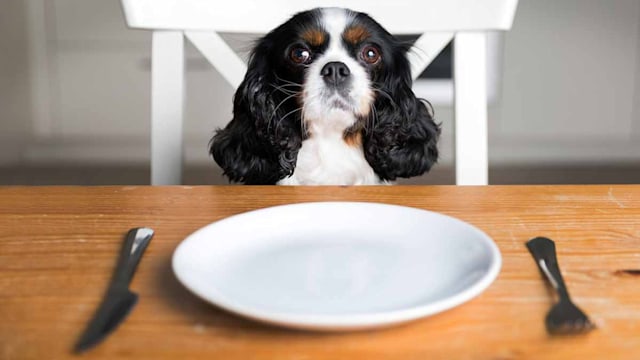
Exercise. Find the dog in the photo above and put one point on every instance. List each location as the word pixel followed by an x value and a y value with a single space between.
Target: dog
pixel 327 100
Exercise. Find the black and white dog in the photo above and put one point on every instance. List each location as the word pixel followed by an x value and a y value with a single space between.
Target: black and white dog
pixel 327 100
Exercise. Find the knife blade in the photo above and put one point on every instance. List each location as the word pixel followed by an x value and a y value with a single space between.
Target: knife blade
pixel 119 300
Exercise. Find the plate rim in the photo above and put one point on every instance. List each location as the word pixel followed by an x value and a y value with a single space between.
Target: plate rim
pixel 344 322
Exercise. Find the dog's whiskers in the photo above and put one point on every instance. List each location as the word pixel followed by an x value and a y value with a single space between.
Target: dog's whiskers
pixel 291 112
pixel 276 110
pixel 371 123
pixel 284 89
pixel 285 81
pixel 287 87
pixel 385 95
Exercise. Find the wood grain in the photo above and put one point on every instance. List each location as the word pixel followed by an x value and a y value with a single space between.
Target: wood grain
pixel 58 246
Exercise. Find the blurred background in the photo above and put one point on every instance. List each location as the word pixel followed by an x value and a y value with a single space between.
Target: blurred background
pixel 564 96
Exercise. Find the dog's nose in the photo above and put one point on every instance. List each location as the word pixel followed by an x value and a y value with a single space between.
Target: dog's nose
pixel 335 73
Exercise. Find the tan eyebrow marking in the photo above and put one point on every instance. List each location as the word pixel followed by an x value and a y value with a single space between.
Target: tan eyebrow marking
pixel 356 34
pixel 314 37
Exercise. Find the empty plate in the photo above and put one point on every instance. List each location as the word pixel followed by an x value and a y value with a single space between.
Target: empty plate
pixel 337 265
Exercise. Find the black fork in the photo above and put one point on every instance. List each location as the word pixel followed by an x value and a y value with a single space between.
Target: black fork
pixel 564 317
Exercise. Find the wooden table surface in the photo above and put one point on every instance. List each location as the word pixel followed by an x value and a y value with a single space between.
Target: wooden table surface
pixel 58 247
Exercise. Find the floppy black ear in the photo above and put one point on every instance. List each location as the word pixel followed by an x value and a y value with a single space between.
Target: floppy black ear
pixel 401 139
pixel 256 147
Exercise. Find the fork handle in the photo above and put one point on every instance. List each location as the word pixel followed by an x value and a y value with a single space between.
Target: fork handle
pixel 544 252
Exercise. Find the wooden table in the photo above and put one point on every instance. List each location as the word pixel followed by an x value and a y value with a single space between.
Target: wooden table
pixel 58 246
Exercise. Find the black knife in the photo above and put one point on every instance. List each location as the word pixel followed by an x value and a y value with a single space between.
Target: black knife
pixel 119 300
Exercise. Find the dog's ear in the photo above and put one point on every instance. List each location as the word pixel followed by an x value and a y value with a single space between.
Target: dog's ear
pixel 401 139
pixel 256 147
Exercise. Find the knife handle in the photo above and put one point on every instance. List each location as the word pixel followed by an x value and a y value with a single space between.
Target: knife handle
pixel 135 242
pixel 543 251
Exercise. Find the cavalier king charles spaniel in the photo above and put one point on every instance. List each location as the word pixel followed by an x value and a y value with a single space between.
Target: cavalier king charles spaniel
pixel 327 100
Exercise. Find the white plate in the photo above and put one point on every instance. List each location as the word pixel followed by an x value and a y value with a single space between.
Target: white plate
pixel 337 265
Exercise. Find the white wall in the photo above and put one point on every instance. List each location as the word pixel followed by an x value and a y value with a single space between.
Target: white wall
pixel 571 83
pixel 570 90
pixel 15 117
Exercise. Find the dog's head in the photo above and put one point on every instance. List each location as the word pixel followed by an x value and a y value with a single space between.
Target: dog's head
pixel 326 69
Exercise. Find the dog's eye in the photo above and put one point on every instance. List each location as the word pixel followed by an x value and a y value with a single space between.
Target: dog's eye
pixel 370 54
pixel 300 55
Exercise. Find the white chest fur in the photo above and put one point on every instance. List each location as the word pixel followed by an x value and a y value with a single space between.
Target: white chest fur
pixel 326 159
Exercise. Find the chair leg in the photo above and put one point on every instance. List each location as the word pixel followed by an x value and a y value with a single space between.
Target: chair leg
pixel 470 89
pixel 167 100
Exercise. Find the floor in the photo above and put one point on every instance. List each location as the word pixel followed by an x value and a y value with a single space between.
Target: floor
pixel 208 175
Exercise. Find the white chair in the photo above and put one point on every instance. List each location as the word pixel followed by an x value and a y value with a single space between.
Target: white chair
pixel 438 21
